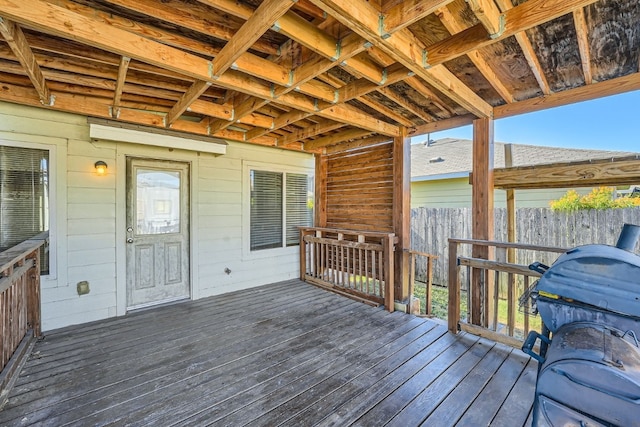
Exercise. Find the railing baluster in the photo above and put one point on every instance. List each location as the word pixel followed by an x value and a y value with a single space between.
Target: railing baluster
pixel 526 308
pixel 496 299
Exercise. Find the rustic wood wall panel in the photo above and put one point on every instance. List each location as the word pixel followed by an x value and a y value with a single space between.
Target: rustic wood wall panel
pixel 360 189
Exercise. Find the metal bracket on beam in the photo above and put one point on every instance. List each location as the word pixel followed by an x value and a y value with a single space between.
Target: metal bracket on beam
pixel 52 100
pixel 385 75
pixel 276 27
pixel 338 51
pixel 291 76
pixel 425 59
pixel 502 25
pixel 383 33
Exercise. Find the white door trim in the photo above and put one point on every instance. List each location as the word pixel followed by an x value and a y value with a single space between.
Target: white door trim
pixel 123 151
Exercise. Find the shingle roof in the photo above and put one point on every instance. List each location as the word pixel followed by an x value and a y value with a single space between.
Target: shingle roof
pixel 449 156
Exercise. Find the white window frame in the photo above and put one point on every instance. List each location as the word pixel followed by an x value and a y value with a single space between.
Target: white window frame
pixel 246 208
pixel 54 182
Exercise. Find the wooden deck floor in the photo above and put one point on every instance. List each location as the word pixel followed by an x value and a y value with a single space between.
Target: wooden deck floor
pixel 287 353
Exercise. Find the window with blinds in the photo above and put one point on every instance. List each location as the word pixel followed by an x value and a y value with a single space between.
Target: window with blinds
pixel 280 202
pixel 24 196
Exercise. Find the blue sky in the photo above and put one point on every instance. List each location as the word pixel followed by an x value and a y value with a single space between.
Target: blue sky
pixel 611 123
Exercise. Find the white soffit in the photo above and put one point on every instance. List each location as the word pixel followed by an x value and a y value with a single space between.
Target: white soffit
pixel 156 139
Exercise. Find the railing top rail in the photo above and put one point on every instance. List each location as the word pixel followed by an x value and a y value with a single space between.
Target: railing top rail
pixel 508 245
pixel 414 252
pixel 12 255
pixel 346 231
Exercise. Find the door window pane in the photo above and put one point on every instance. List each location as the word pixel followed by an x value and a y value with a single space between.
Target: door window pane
pixel 157 201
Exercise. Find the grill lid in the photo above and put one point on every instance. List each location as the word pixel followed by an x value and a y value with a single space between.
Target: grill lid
pixel 599 275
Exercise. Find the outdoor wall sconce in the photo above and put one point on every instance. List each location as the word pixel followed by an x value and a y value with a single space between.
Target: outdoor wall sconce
pixel 101 167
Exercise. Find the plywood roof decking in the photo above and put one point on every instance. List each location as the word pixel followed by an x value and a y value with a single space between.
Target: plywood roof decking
pixel 264 71
pixel 283 354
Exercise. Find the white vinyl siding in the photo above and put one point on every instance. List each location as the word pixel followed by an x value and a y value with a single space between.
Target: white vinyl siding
pixel 456 193
pixel 87 214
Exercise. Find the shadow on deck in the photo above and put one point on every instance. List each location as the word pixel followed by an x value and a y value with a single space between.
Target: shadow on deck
pixel 286 353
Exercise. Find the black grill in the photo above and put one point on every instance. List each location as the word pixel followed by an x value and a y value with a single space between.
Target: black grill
pixel 589 357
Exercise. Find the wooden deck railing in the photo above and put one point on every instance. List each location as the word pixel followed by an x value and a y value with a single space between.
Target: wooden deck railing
pixel 491 291
pixel 355 263
pixel 19 301
pixel 429 258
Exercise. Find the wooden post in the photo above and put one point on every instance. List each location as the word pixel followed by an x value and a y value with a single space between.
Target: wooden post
pixel 453 311
pixel 389 298
pixel 33 294
pixel 320 208
pixel 511 238
pixel 482 217
pixel 303 254
pixel 402 211
pixel 429 273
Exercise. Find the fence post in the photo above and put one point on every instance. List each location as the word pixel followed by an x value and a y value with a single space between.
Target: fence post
pixel 454 288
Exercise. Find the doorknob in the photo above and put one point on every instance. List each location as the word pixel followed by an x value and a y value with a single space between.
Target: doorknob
pixel 130 240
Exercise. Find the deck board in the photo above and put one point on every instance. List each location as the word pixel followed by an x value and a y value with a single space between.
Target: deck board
pixel 282 354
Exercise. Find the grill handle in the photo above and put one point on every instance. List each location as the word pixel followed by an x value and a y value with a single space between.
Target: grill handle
pixel 539 267
pixel 628 237
pixel 611 393
pixel 530 342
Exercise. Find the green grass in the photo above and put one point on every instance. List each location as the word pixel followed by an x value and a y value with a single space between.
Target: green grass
pixel 440 302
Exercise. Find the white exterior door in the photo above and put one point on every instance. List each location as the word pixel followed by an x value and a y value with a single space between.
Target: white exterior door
pixel 157 232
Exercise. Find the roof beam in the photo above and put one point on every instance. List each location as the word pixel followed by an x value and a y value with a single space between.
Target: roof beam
pixel 388 112
pixel 453 26
pixel 620 171
pixel 193 93
pixel 278 123
pixel 615 86
pixel 358 143
pixel 402 14
pixel 20 47
pixel 405 48
pixel 528 52
pixel 55 20
pixel 198 19
pixel 517 19
pixel 488 14
pixel 583 44
pixel 336 138
pixel 440 125
pixel 247 35
pixel 406 104
pixel 122 75
pixel 259 22
pixel 302 134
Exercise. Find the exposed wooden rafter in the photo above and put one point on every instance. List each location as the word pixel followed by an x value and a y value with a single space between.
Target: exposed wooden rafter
pixel 405 48
pixel 56 20
pixel 453 26
pixel 18 44
pixel 528 52
pixel 583 44
pixel 122 75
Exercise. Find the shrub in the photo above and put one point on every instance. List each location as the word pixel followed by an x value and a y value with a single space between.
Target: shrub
pixel 599 198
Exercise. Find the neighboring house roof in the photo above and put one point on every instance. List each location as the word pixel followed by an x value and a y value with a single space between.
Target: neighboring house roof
pixel 452 158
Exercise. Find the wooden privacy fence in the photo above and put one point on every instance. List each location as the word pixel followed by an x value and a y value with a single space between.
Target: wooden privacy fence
pixel 355 263
pixel 486 312
pixel 432 227
pixel 19 303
